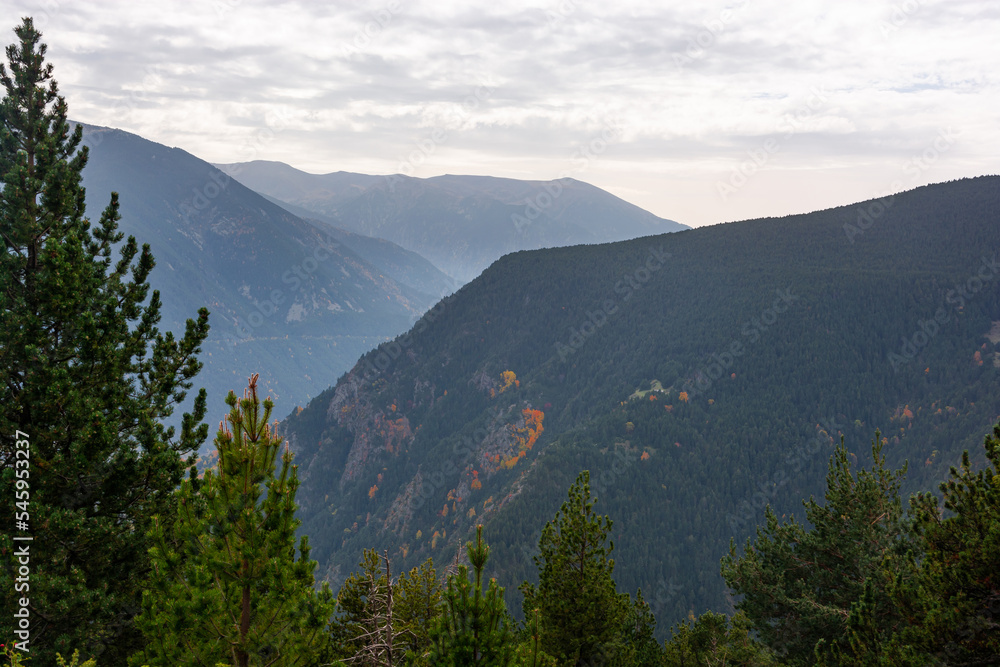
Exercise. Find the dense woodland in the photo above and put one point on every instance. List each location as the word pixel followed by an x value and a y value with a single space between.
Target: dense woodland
pixel 507 484
pixel 411 449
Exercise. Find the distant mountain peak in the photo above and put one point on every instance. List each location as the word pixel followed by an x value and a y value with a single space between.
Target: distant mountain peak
pixel 461 223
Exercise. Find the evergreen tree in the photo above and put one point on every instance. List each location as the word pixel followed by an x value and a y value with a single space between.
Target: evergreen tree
pixel 638 645
pixel 530 653
pixel 87 378
pixel 227 586
pixel 368 630
pixel 713 639
pixel 799 585
pixel 474 628
pixel 419 607
pixel 354 619
pixel 581 613
pixel 952 599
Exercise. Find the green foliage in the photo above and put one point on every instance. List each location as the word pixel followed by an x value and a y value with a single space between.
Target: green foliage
pixel 16 659
pixel 959 573
pixel 581 612
pixel 949 590
pixel 13 657
pixel 474 628
pixel 714 639
pixel 529 652
pixel 637 643
pixel 74 661
pixel 798 585
pixel 227 586
pixel 419 606
pixel 86 375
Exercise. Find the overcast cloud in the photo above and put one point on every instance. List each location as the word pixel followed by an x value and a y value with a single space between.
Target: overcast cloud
pixel 717 111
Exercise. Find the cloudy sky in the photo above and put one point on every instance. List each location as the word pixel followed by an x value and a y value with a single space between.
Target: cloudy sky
pixel 700 112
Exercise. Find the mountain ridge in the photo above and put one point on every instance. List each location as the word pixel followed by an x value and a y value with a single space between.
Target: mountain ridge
pixel 425 436
pixel 264 273
pixel 482 217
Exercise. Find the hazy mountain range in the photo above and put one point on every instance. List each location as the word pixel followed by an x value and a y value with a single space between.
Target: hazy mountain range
pixel 462 224
pixel 284 294
pixel 289 289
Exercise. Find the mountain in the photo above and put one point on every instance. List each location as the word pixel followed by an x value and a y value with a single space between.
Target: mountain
pixel 698 375
pixel 404 266
pixel 284 294
pixel 460 223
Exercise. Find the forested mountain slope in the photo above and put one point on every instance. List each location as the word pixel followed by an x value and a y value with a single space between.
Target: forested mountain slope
pixel 283 293
pixel 404 266
pixel 783 334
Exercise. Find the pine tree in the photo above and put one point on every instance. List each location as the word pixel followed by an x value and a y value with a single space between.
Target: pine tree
pixel 474 628
pixel 368 631
pixel 799 585
pixel 581 612
pixel 227 586
pixel 530 653
pixel 952 600
pixel 637 641
pixel 714 639
pixel 419 607
pixel 87 378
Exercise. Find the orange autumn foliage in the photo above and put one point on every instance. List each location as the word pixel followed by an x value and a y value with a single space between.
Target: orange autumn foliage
pixel 525 436
pixel 683 396
pixel 509 378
